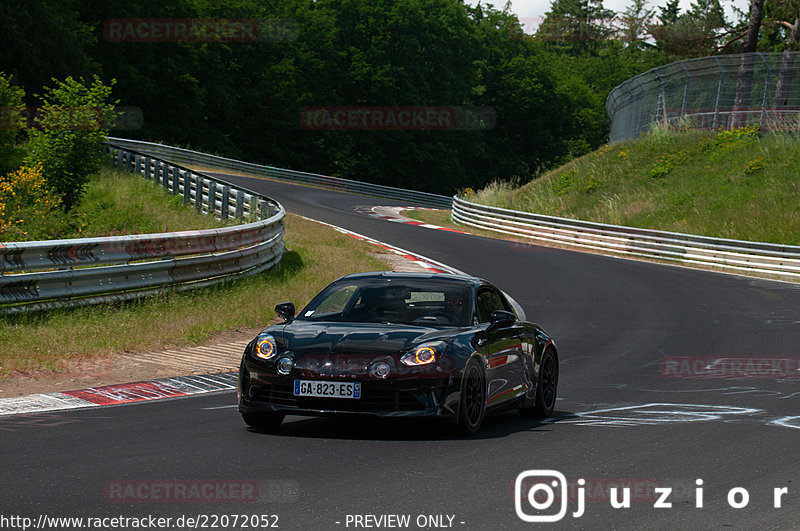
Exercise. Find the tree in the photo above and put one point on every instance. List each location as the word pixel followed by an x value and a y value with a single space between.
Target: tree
pixel 669 12
pixel 744 82
pixel 695 33
pixel 575 26
pixel 246 99
pixel 753 26
pixel 634 23
pixel 786 69
pixel 72 125
pixel 11 108
pixel 777 25
pixel 44 39
pixel 708 14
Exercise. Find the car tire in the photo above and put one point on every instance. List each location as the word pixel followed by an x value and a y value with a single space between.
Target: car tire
pixel 472 407
pixel 263 421
pixel 546 388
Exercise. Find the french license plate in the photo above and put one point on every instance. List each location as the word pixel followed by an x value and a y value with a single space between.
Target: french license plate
pixel 328 389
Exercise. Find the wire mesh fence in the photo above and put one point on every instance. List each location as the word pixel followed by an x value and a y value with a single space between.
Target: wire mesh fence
pixel 725 91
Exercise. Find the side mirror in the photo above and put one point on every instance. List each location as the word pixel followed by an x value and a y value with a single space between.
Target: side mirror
pixel 286 310
pixel 501 319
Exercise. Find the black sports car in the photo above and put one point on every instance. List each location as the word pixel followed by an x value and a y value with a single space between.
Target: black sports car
pixel 400 344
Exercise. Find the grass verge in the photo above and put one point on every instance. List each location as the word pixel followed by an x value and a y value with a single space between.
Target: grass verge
pixel 733 184
pixel 118 202
pixel 114 203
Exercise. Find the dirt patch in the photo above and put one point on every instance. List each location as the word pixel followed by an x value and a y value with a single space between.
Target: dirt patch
pixel 109 370
pixel 82 374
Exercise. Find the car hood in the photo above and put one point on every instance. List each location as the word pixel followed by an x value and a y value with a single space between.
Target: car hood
pixel 326 338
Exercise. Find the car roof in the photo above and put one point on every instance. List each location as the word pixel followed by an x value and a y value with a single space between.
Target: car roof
pixel 475 282
pixel 392 275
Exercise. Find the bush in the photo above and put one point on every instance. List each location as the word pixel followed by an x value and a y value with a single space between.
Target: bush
pixel 28 209
pixel 70 128
pixel 10 121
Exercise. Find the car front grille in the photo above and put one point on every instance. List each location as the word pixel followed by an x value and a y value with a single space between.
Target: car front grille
pixel 372 399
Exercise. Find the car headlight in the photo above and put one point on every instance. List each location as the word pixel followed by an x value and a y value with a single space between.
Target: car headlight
pixel 424 354
pixel 266 348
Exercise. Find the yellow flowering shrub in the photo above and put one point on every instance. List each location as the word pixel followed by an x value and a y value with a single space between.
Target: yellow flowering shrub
pixel 28 209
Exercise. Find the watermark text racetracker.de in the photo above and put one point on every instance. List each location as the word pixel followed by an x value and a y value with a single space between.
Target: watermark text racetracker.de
pixel 226 30
pixel 545 495
pixel 200 491
pixel 730 367
pixel 402 118
pixel 194 521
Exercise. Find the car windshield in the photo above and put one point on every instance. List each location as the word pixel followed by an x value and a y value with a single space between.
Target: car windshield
pixel 424 302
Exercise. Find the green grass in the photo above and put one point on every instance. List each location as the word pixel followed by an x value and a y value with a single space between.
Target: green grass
pixel 434 217
pixel 738 185
pixel 114 203
pixel 50 341
pixel 118 202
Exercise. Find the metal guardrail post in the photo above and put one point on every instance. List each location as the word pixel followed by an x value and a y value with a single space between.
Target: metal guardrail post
pixel 253 205
pixel 225 200
pixel 198 193
pixel 685 88
pixel 641 113
pixel 164 176
pixel 239 204
pixel 187 187
pixel 175 180
pixel 212 197
pixel 764 95
pixel 661 105
pixel 721 81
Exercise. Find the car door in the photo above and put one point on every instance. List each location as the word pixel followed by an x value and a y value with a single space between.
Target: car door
pixel 502 349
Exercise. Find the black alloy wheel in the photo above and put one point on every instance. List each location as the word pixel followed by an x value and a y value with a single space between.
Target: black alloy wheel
pixel 548 385
pixel 473 399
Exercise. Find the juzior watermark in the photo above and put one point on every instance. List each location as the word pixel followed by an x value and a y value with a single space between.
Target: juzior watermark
pixel 544 495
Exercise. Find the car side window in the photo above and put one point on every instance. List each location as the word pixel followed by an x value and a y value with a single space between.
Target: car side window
pixel 488 301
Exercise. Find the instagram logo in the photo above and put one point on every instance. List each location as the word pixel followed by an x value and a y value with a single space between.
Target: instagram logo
pixel 541 489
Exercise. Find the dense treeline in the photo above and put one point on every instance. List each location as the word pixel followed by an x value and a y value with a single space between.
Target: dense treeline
pixel 244 97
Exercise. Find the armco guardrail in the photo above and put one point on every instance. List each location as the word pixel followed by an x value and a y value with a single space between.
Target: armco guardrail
pixel 48 274
pixel 731 255
pixel 195 158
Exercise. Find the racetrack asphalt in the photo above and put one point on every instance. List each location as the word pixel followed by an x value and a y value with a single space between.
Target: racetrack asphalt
pixel 625 416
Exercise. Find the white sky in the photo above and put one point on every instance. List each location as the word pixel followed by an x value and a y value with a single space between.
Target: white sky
pixel 531 12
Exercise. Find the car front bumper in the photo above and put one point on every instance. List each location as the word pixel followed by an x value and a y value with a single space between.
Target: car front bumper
pixel 397 397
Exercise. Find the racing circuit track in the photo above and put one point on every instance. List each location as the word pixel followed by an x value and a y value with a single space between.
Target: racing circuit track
pixel 620 417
